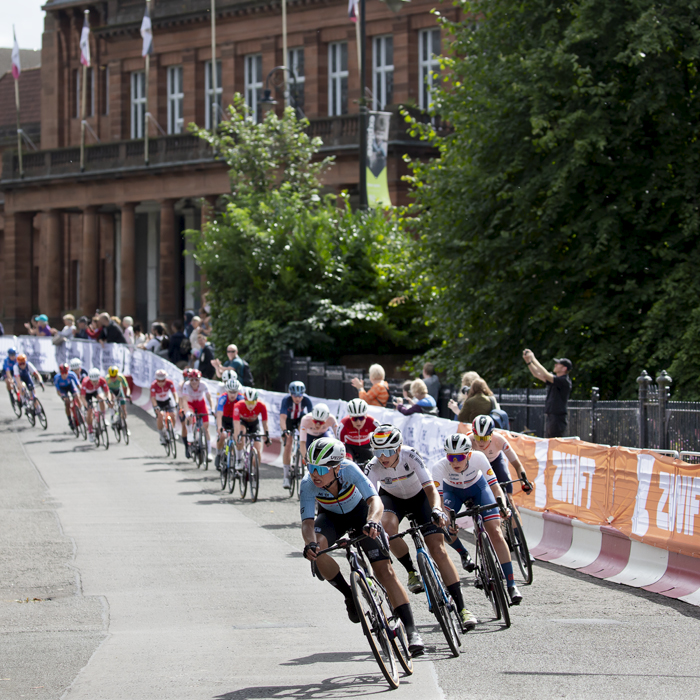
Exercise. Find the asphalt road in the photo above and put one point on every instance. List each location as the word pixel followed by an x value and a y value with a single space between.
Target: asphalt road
pixel 127 575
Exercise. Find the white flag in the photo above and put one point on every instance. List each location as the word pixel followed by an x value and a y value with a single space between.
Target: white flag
pixel 16 66
pixel 147 34
pixel 353 10
pixel 85 43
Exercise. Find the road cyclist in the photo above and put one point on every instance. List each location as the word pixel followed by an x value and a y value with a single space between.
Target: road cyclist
pixel 76 366
pixel 464 474
pixel 224 414
pixel 355 431
pixel 181 410
pixel 194 397
pixel 406 489
pixel 247 416
pixel 8 373
pixel 164 398
pixel 24 374
pixel 93 390
pixel 119 392
pixel 347 501
pixel 67 388
pixel 319 423
pixel 295 405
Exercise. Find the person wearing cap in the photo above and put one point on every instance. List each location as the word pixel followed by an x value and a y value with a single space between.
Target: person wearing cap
pixel 556 423
pixel 42 326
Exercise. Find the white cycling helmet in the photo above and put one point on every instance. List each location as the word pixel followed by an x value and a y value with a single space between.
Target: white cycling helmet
pixel 320 412
pixel 228 374
pixel 483 426
pixel 386 437
pixel 94 374
pixel 458 444
pixel 233 386
pixel 161 375
pixel 357 408
pixel 326 452
pixel 250 394
pixel 75 363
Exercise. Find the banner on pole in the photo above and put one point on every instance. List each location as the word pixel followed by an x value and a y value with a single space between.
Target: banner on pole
pixel 16 63
pixel 377 149
pixel 85 42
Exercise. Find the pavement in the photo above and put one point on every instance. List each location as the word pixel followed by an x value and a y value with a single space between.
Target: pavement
pixel 128 575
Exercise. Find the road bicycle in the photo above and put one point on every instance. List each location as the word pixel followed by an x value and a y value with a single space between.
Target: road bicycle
pixel 250 470
pixel 118 421
pixel 296 469
pixel 33 409
pixel 488 573
pixel 440 601
pixel 16 402
pixel 227 464
pixel 515 535
pixel 199 448
pixel 99 426
pixel 384 631
pixel 79 419
pixel 170 444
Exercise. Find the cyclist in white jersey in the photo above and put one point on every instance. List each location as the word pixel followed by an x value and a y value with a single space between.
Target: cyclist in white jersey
pixel 406 488
pixel 194 397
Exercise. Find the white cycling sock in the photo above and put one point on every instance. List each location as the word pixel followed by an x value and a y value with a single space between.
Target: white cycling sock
pixel 190 435
pixel 286 470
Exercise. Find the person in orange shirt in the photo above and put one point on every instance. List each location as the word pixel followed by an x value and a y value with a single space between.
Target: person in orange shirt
pixel 378 395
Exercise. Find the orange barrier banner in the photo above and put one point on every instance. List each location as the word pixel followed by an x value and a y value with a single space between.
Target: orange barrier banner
pixel 647 496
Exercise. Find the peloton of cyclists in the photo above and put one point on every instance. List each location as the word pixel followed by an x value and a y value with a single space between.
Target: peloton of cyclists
pixel 319 423
pixel 93 388
pixel 67 386
pixel 247 416
pixel 406 488
pixel 224 414
pixel 162 389
pixel 347 501
pixel 355 431
pixel 294 407
pixel 194 397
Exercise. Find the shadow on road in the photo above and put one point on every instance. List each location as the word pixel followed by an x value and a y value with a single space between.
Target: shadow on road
pixel 329 657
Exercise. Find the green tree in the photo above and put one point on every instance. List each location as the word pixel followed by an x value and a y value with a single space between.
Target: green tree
pixel 562 213
pixel 288 268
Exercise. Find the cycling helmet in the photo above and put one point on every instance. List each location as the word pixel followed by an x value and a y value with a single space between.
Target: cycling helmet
pixel 186 373
pixel 250 394
pixel 457 444
pixel 11 351
pixel 161 374
pixel 320 412
pixel 483 426
pixel 233 385
pixel 63 369
pixel 357 408
pixel 113 371
pixel 326 452
pixel 75 364
pixel 386 437
pixel 297 388
pixel 228 374
pixel 21 358
pixel 94 374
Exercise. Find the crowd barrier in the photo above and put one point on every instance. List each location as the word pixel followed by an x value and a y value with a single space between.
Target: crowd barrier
pixel 624 515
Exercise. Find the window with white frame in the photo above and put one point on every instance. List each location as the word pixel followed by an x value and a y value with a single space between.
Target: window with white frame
pixel 176 98
pixel 296 67
pixel 253 84
pixel 383 73
pixel 209 91
pixel 89 98
pixel 429 53
pixel 337 78
pixel 138 104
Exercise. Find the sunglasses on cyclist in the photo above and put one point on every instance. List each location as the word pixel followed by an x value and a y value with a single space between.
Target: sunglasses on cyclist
pixel 456 458
pixel 321 471
pixel 250 404
pixel 384 453
pixel 482 438
pixel 318 422
pixel 357 419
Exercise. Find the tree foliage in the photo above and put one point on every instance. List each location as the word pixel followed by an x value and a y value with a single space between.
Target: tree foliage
pixel 562 213
pixel 288 268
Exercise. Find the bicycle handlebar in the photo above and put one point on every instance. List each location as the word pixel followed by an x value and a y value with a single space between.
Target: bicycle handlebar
pixel 471 511
pixel 416 528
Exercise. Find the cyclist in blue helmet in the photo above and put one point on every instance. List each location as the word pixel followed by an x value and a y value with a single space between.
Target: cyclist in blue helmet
pixel 294 406
pixel 8 368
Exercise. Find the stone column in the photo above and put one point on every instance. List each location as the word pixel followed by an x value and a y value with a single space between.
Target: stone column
pixel 169 275
pixel 17 282
pixel 90 262
pixel 207 213
pixel 128 260
pixel 50 280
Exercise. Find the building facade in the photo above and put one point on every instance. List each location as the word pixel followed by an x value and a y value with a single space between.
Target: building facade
pixel 111 236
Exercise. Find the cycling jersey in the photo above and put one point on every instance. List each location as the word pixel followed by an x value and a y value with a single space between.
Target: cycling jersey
pixel 162 392
pixel 478 466
pixel 89 387
pixel 406 479
pixel 8 365
pixel 294 411
pixel 350 435
pixel 198 394
pixel 118 383
pixel 497 445
pixel 353 487
pixel 66 384
pixel 307 427
pixel 226 405
pixel 249 415
pixel 26 373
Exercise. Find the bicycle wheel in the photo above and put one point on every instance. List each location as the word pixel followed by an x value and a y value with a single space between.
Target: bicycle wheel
pixel 521 551
pixel 231 467
pixel 243 476
pixel 29 412
pixel 82 425
pixel 399 640
pixel 166 445
pixel 96 428
pixel 171 437
pixel 495 586
pixel 105 434
pixel 16 405
pixel 75 421
pixel 205 449
pixel 254 474
pixel 374 630
pixel 196 444
pixel 438 605
pixel 125 431
pixel 40 414
pixel 223 471
pixel 117 427
pixel 294 472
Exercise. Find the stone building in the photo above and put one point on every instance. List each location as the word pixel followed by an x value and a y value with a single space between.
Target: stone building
pixel 111 237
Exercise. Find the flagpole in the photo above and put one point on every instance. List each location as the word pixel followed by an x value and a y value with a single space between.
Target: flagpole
pixel 19 130
pixel 145 118
pixel 285 56
pixel 363 107
pixel 214 77
pixel 82 109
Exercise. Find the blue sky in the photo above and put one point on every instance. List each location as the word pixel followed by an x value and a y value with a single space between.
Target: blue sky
pixel 28 18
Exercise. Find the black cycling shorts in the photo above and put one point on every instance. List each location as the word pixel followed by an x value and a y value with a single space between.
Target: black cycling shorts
pixel 500 469
pixel 417 505
pixel 360 454
pixel 335 525
pixel 252 427
pixel 166 405
pixel 293 424
pixel 90 397
pixel 227 423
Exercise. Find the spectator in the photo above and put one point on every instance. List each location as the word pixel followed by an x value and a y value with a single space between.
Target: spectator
pixel 60 337
pixel 139 336
pixel 422 401
pixel 378 395
pixel 479 401
pixel 205 355
pixel 196 322
pixel 42 326
pixel 111 332
pixel 128 330
pixel 81 331
pixel 94 329
pixel 153 345
pixel 179 350
pixel 189 315
pixel 164 349
pixel 205 325
pixel 406 390
pixel 233 361
pixel 556 414
pixel 432 382
pixel 468 379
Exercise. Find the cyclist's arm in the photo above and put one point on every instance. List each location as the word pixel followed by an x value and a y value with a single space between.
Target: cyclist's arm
pixel 125 386
pixel 375 510
pixel 283 421
pixel 219 419
pixel 497 491
pixel 265 430
pixel 433 496
pixel 176 399
pixel 307 530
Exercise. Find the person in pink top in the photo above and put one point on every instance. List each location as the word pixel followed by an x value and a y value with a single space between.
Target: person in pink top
pixel 318 423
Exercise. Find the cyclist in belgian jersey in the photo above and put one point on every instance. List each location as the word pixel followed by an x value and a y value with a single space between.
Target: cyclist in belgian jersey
pixel 294 407
pixel 162 389
pixel 355 431
pixel 118 389
pixel 464 474
pixel 247 415
pixel 224 415
pixel 8 369
pixel 319 423
pixel 93 388
pixel 347 501
pixel 67 386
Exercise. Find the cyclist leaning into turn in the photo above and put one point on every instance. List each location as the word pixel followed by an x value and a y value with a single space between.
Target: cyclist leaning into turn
pixel 67 386
pixel 319 423
pixel 194 397
pixel 247 415
pixel 224 415
pixel 294 407
pixel 93 388
pixel 162 389
pixel 355 431
pixel 347 501
pixel 76 366
pixel 8 369
pixel 118 390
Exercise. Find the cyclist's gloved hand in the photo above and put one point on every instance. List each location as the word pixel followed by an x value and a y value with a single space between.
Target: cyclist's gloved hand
pixel 268 442
pixel 527 486
pixel 181 416
pixel 439 518
pixel 372 529
pixel 310 551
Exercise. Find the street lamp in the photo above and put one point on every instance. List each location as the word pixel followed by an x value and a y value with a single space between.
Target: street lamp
pixel 268 101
